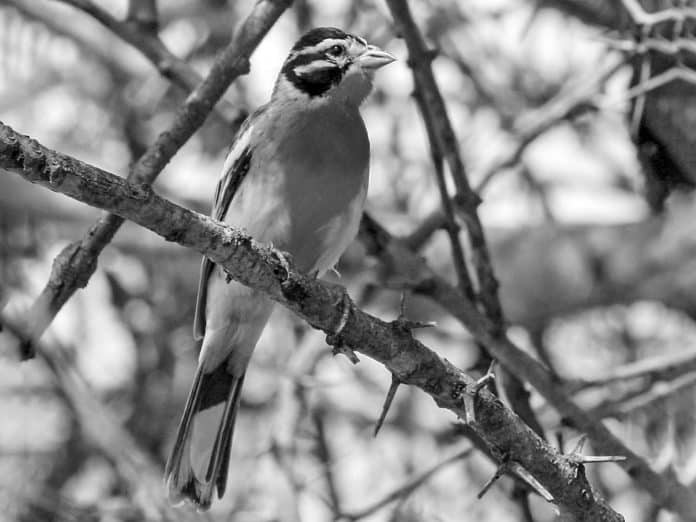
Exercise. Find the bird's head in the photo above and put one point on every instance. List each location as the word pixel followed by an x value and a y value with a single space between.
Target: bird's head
pixel 328 64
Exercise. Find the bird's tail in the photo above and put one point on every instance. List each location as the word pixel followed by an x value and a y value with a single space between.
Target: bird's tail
pixel 200 457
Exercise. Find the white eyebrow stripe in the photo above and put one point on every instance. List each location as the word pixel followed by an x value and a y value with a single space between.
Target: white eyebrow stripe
pixel 316 65
pixel 321 46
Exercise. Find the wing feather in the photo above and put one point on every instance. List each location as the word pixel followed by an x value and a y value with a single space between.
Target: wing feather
pixel 234 172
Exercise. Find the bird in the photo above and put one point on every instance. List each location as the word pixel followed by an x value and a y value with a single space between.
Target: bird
pixel 295 177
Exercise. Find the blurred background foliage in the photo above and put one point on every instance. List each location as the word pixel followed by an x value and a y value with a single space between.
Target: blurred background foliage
pixel 587 209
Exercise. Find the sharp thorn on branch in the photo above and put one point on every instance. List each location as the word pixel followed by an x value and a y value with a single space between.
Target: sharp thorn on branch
pixel 342 349
pixel 487 378
pixel 406 324
pixel 525 475
pixel 577 457
pixel 579 446
pixel 395 382
pixel 502 469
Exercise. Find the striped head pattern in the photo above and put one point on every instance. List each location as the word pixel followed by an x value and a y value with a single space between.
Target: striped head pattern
pixel 325 58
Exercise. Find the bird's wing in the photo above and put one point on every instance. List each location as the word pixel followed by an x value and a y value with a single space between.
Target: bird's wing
pixel 234 171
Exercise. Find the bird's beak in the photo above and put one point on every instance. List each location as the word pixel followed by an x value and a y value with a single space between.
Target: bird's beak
pixel 374 58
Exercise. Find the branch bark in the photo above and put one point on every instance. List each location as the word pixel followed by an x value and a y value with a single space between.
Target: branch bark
pixel 320 304
pixel 666 490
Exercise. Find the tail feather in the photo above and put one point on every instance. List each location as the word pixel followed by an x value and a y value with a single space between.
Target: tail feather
pixel 198 462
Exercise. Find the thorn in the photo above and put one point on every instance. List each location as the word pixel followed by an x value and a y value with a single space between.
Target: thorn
pixel 486 379
pixel 406 324
pixel 502 469
pixel 591 459
pixel 470 395
pixel 525 475
pixel 342 349
pixel 576 457
pixel 395 382
pixel 579 446
pixel 512 467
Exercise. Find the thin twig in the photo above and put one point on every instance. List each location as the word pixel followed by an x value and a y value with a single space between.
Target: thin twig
pixel 149 44
pixel 658 392
pixel 451 225
pixel 325 456
pixel 435 115
pixel 405 489
pixel 642 17
pixel 659 368
pixel 530 126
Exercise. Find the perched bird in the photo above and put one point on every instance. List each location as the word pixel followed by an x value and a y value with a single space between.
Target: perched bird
pixel 296 177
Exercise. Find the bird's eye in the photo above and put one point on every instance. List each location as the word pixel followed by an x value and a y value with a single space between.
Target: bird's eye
pixel 335 51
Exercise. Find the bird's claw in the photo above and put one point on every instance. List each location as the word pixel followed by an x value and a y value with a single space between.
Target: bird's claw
pixel 334 338
pixel 282 258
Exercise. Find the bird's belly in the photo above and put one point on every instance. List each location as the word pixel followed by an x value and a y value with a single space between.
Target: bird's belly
pixel 314 218
pixel 321 234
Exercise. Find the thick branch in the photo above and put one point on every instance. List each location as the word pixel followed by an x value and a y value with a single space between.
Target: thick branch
pixel 75 265
pixel 320 304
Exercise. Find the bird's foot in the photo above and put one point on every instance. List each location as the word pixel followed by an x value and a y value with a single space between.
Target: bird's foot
pixel 283 270
pixel 334 338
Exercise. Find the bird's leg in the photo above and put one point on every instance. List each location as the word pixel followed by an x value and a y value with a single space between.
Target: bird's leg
pixel 334 338
pixel 282 258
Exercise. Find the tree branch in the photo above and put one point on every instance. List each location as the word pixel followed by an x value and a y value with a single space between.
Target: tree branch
pixel 665 489
pixel 437 119
pixel 444 144
pixel 321 305
pixel 76 263
pixel 139 30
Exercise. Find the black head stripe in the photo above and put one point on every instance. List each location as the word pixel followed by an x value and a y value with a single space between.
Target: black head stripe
pixel 315 81
pixel 315 36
